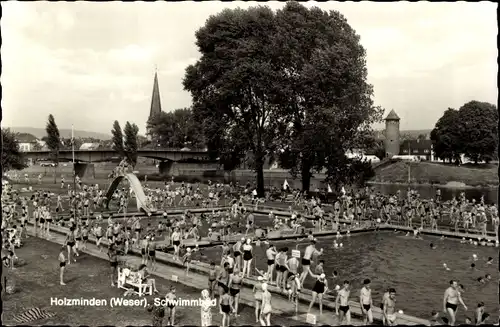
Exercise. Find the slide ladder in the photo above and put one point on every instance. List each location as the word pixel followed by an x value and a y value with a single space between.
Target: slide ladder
pixel 135 184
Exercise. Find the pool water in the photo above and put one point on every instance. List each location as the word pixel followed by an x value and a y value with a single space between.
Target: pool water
pixel 409 265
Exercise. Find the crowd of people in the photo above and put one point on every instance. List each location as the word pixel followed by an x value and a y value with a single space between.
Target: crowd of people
pixel 82 211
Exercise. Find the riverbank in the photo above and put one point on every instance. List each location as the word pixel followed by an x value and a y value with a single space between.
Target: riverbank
pixel 431 173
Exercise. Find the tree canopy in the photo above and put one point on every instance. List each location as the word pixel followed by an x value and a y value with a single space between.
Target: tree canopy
pixel 118 139
pixel 232 84
pixel 131 143
pixel 472 131
pixel 53 137
pixel 12 158
pixel 478 125
pixel 290 84
pixel 446 136
pixel 176 129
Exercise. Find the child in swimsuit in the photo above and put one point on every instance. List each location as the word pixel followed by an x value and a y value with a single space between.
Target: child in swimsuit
pixel 170 297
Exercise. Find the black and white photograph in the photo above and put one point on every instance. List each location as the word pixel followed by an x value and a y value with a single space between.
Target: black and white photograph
pixel 249 163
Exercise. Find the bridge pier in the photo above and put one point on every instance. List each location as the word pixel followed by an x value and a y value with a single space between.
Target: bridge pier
pixel 82 168
pixel 166 168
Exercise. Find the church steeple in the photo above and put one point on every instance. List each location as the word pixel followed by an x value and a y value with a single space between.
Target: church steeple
pixel 155 98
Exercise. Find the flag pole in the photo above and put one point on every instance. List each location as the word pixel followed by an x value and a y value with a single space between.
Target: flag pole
pixel 74 169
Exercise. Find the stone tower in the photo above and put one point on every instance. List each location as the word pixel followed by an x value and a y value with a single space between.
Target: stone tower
pixel 155 99
pixel 392 134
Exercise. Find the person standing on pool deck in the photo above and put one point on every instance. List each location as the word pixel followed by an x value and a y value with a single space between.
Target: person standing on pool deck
pixel 389 310
pixel 62 265
pixel 266 307
pixel 366 302
pixel 342 303
pixel 271 255
pixel 237 253
pixel 70 244
pixel 319 289
pixel 250 223
pixel 144 250
pixel 247 257
pixel 152 253
pixel 113 262
pixel 450 301
pixel 234 285
pixel 306 260
pixel 176 241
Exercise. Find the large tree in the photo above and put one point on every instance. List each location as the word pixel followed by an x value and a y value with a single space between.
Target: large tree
pixel 478 123
pixel 118 139
pixel 12 158
pixel 53 141
pixel 324 96
pixel 131 145
pixel 232 84
pixel 446 136
pixel 176 129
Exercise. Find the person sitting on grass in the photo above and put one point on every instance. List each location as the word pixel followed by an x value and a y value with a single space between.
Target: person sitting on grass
pixel 144 275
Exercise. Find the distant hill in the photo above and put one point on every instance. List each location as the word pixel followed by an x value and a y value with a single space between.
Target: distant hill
pixel 66 133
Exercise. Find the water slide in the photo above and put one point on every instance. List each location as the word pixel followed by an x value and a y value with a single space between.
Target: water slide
pixel 135 184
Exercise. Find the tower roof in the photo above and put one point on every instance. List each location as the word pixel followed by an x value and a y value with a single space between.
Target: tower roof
pixel 155 98
pixel 392 116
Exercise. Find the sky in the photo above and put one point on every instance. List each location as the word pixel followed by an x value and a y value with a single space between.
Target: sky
pixel 90 63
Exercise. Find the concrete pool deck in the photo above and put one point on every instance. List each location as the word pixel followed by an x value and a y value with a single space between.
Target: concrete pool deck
pixel 176 273
pixel 171 269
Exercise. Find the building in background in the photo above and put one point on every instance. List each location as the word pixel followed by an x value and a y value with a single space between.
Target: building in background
pixel 391 142
pixel 155 102
pixel 28 142
pixel 422 149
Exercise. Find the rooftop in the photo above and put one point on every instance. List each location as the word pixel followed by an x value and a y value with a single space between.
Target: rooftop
pixel 392 116
pixel 25 138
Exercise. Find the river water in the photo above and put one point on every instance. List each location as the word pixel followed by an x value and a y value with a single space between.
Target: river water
pixel 447 193
pixel 409 265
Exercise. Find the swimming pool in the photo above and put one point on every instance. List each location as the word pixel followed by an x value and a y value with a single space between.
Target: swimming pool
pixel 409 265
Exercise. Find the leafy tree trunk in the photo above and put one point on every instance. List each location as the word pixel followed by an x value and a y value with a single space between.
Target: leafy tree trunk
pixel 259 168
pixel 306 175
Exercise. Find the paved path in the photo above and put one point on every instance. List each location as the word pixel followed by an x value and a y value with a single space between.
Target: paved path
pixel 281 305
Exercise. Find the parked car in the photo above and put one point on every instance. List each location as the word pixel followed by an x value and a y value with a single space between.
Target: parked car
pixel 48 164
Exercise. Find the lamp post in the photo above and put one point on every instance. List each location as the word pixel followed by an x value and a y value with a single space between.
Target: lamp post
pixel 409 163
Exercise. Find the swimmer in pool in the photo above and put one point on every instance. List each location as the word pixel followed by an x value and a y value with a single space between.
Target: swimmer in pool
pixel 451 300
pixel 490 261
pixel 433 246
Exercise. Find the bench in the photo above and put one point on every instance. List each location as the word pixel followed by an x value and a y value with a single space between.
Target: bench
pixel 130 281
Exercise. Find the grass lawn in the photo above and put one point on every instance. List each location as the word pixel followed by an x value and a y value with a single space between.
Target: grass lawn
pixel 37 281
pixel 437 173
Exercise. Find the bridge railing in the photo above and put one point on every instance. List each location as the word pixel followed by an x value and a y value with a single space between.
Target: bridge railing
pixel 110 149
